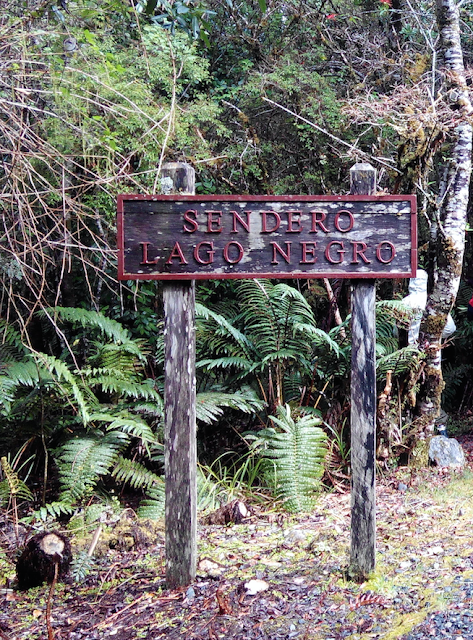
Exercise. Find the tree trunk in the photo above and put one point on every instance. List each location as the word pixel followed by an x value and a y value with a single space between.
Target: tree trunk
pixel 451 213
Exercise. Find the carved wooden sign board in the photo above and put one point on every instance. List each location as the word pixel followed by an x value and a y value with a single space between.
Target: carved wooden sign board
pixel 179 237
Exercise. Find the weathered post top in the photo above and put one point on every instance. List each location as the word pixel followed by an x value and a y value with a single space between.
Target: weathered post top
pixel 182 176
pixel 362 179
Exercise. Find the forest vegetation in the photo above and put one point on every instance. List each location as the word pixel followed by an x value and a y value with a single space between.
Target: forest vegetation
pixel 260 97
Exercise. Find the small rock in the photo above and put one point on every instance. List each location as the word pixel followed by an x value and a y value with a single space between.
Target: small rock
pixel 402 487
pixel 436 551
pixel 210 568
pixel 446 452
pixel 255 586
pixel 190 593
pixel 295 535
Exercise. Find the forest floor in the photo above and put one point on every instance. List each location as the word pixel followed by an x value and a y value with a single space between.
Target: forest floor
pixel 422 587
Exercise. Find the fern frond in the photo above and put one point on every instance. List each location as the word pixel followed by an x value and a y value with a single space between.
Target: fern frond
pixel 222 326
pixel 90 319
pixel 134 474
pixel 119 357
pixel 320 337
pixel 53 510
pixel 399 362
pixel 392 312
pixel 125 387
pixel 227 362
pixel 12 486
pixel 210 405
pixel 152 507
pixel 11 347
pixel 81 566
pixel 125 424
pixel 296 453
pixel 83 461
pixel 60 372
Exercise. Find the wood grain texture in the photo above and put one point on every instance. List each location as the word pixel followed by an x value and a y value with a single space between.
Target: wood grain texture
pixel 179 416
pixel 307 236
pixel 363 410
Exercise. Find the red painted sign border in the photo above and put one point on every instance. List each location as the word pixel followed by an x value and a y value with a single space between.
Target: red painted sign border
pixel 121 213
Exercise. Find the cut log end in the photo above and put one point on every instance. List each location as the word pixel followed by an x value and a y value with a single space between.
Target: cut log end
pixel 37 563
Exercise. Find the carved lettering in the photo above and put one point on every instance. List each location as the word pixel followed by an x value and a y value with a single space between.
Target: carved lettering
pixel 214 223
pixel 340 251
pixel 359 249
pixel 264 223
pixel 277 249
pixel 308 252
pixel 176 253
pixel 144 254
pixel 208 247
pixel 351 221
pixel 291 221
pixel 385 247
pixel 318 218
pixel 193 221
pixel 226 252
pixel 237 218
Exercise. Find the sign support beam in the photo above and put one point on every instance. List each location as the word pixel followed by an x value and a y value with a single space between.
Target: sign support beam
pixel 363 407
pixel 180 458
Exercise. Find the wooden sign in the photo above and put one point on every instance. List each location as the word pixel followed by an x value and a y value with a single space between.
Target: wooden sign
pixel 179 237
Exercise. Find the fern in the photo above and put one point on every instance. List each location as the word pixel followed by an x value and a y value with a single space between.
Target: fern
pixel 126 423
pixel 210 405
pixel 11 347
pixel 268 339
pixel 295 454
pixel 81 566
pixel 125 388
pixel 134 474
pixel 90 319
pixel 54 510
pixel 399 362
pixel 61 373
pixel 83 461
pixel 12 487
pixel 153 507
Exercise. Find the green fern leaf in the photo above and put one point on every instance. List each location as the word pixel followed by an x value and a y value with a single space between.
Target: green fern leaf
pixel 134 473
pixel 210 405
pixel 90 319
pixel 83 461
pixel 296 453
pixel 152 507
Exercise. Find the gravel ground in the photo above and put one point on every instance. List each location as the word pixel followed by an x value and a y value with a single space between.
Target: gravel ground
pixel 422 587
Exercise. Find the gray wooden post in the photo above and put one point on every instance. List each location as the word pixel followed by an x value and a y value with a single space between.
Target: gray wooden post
pixel 180 458
pixel 363 407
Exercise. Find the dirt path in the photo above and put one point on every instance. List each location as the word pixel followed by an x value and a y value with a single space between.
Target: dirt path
pixel 422 587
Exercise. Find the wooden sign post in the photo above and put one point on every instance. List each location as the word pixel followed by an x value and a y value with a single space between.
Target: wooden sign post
pixel 363 407
pixel 180 238
pixel 180 455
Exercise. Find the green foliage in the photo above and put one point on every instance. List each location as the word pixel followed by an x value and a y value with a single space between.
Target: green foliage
pixel 268 335
pixel 81 566
pixel 295 449
pixel 53 510
pixel 152 507
pixel 400 362
pixel 134 474
pixel 12 487
pixel 93 408
pixel 210 405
